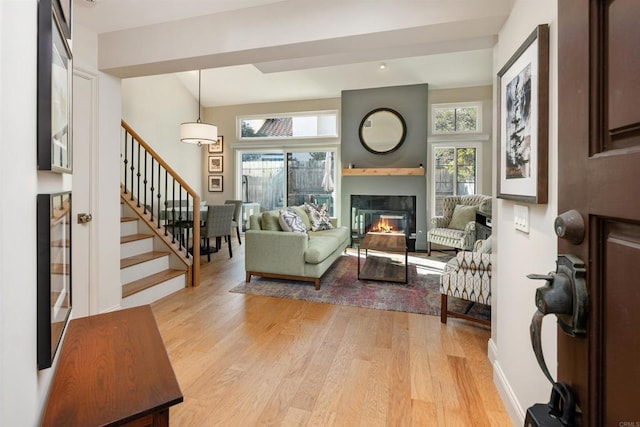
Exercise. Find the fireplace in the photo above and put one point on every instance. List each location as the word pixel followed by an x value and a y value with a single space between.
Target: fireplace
pixel 383 214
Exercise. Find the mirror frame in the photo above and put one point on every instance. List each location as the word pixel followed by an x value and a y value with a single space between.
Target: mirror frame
pixel 393 145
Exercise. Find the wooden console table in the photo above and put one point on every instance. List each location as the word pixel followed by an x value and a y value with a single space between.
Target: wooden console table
pixel 113 369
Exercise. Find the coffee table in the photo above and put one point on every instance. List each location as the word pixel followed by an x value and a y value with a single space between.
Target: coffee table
pixel 381 267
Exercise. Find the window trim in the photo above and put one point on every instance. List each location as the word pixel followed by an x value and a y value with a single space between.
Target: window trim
pixel 432 175
pixel 240 118
pixel 456 105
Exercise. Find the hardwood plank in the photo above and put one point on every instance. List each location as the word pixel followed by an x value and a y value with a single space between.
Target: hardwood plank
pixel 253 360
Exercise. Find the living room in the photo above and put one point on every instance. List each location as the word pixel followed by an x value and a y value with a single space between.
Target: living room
pixel 516 374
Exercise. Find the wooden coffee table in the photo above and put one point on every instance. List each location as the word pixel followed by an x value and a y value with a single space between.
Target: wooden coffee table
pixel 381 267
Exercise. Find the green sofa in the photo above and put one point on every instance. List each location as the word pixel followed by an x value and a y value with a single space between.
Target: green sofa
pixel 271 252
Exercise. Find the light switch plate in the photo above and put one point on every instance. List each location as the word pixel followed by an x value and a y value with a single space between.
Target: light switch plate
pixel 521 218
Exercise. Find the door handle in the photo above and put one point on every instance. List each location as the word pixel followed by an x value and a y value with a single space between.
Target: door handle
pixel 84 218
pixel 564 295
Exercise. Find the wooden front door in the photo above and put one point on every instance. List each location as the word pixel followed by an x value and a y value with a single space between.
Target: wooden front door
pixel 599 175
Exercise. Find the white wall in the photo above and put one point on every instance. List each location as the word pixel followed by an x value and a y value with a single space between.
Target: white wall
pixel 22 387
pixel 154 107
pixel 518 377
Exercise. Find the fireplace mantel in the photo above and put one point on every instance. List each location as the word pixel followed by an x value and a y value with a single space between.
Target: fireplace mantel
pixel 383 172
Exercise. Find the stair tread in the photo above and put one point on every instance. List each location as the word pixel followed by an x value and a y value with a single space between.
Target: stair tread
pixel 149 281
pixel 139 259
pixel 134 237
pixel 127 219
pixel 60 268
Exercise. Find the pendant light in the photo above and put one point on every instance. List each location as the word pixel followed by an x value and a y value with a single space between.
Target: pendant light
pixel 198 132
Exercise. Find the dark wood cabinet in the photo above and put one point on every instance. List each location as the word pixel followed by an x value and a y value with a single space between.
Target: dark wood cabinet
pixel 113 371
pixel 483 225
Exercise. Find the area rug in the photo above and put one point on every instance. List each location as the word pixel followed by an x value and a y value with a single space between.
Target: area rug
pixel 340 286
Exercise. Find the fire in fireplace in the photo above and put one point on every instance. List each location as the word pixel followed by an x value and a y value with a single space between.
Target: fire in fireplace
pixel 393 224
pixel 383 214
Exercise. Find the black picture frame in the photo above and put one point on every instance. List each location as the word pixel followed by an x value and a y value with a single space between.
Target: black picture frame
pixel 55 73
pixel 523 121
pixel 54 295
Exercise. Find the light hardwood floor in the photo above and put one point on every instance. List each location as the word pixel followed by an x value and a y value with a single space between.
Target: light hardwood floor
pixel 245 360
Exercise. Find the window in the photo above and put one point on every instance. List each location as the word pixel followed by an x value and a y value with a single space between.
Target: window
pixel 455 172
pixel 456 118
pixel 323 124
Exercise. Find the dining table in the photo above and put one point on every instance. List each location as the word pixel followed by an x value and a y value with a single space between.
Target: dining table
pixel 179 220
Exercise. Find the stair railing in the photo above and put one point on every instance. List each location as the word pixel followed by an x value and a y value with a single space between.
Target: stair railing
pixel 173 206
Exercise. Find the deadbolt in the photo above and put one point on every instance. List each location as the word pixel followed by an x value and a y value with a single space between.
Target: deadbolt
pixel 84 218
pixel 570 226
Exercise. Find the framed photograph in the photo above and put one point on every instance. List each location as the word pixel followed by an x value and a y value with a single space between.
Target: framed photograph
pixel 215 183
pixel 523 121
pixel 54 273
pixel 217 147
pixel 215 164
pixel 55 73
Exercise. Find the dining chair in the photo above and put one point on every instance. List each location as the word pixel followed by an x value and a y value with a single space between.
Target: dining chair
pixel 218 225
pixel 237 220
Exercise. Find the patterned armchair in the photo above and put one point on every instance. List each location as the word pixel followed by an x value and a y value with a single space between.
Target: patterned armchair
pixel 461 235
pixel 468 277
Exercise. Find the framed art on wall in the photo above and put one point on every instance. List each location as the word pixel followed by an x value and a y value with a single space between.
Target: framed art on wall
pixel 63 9
pixel 523 121
pixel 54 273
pixel 54 90
pixel 217 146
pixel 215 183
pixel 215 164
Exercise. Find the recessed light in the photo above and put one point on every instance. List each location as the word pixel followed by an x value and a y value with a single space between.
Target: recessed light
pixel 383 66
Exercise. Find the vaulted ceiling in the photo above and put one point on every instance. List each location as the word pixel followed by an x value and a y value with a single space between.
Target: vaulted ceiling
pixel 277 50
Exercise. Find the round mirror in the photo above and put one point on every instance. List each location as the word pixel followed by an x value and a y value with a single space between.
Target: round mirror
pixel 382 131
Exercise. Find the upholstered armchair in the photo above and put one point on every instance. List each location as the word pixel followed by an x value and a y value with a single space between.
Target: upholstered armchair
pixel 468 277
pixel 456 227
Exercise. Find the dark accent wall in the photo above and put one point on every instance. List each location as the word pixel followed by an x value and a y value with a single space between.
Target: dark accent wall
pixel 411 102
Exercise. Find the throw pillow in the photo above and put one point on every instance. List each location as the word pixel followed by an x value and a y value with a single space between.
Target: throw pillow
pixel 318 216
pixel 302 213
pixel 270 221
pixel 290 221
pixel 461 216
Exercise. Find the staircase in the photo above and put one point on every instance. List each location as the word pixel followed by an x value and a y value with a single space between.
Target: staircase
pixel 146 272
pixel 150 190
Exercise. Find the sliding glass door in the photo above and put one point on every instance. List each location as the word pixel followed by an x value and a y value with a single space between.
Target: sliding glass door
pixel 272 183
pixel 263 179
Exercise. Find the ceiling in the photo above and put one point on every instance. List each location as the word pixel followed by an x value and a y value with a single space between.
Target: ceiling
pixel 442 65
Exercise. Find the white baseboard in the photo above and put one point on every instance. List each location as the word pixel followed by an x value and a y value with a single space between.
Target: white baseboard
pixel 511 404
